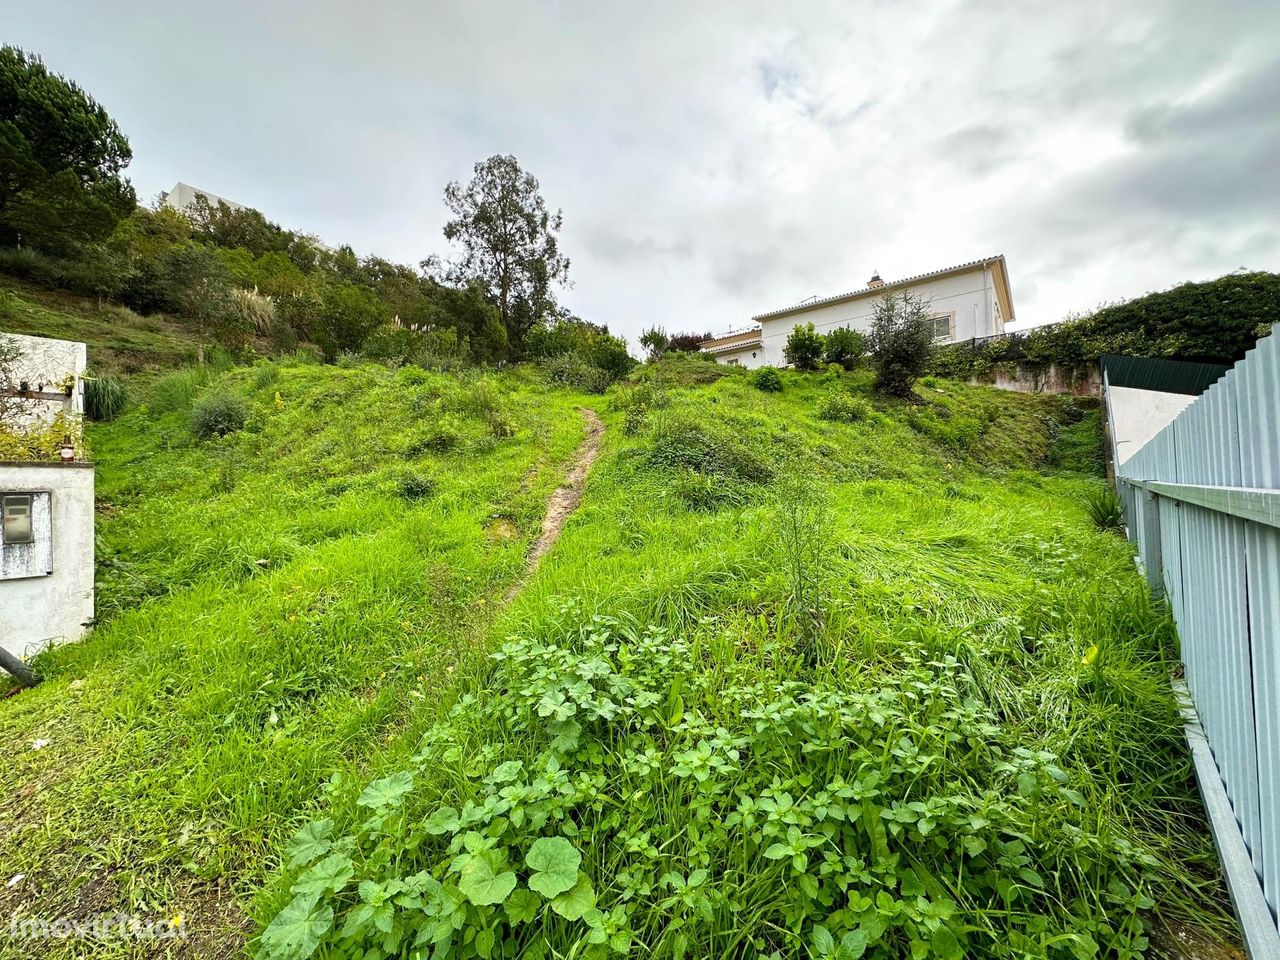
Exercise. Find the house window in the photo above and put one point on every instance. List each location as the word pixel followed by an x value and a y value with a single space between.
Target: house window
pixel 942 326
pixel 17 518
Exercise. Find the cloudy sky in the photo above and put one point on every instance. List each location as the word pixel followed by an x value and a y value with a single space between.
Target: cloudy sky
pixel 720 159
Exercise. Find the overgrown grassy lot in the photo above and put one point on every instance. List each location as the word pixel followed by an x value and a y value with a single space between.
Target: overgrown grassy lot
pixel 793 687
pixel 808 674
pixel 274 602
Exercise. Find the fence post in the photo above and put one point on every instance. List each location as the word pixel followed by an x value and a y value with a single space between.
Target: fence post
pixel 1152 559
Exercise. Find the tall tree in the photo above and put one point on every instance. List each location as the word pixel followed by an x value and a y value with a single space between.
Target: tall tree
pixel 508 241
pixel 62 159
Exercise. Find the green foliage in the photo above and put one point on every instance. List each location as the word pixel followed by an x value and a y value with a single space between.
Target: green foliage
pixel 414 485
pixel 698 782
pixel 846 347
pixel 804 347
pixel 218 414
pixel 40 442
pixel 62 159
pixel 509 243
pixel 1215 321
pixel 1078 444
pixel 654 341
pixel 104 397
pixel 255 311
pixel 638 402
pixel 580 354
pixel 1105 508
pixel 433 349
pixel 678 441
pixel 767 380
pixel 344 317
pixel 901 342
pixel 883 727
pixel 842 407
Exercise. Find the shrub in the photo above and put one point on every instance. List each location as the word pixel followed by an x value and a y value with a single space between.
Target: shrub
pixel 638 402
pixel 846 347
pixel 842 408
pixel 767 380
pixel 699 491
pixel 1105 508
pixel 104 398
pixel 440 437
pixel 680 441
pixel 804 347
pixel 411 485
pixel 573 371
pixel 218 414
pixel 901 342
pixel 957 431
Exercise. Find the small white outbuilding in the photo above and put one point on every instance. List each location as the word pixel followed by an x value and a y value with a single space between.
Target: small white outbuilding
pixel 46 507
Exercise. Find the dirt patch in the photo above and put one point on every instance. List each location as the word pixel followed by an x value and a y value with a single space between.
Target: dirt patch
pixel 1175 940
pixel 501 530
pixel 566 498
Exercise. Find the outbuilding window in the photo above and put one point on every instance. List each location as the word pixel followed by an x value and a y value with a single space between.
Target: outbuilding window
pixel 942 326
pixel 17 518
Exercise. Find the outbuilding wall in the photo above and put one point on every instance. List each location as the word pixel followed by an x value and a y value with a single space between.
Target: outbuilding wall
pixel 37 611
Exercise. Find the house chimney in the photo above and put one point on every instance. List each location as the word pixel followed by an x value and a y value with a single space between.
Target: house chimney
pixel 875 281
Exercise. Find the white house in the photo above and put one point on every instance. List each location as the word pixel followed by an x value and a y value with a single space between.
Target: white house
pixel 971 300
pixel 46 507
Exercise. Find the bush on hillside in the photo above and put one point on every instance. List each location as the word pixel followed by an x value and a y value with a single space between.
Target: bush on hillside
pixel 767 380
pixel 432 349
pixel 846 347
pixel 638 403
pixel 580 354
pixel 218 414
pixel 804 347
pixel 680 441
pixel 257 311
pixel 414 485
pixel 573 371
pixel 901 342
pixel 841 407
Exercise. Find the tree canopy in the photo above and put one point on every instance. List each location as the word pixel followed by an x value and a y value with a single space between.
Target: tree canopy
pixel 62 159
pixel 507 240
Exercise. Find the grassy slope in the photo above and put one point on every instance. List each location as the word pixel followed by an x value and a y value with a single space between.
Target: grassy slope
pixel 296 605
pixel 120 341
pixel 279 612
pixel 926 551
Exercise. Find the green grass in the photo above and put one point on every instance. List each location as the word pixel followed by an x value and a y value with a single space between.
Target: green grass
pixel 119 340
pixel 273 609
pixel 762 687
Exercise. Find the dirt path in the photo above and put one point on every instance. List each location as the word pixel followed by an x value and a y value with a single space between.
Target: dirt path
pixel 565 500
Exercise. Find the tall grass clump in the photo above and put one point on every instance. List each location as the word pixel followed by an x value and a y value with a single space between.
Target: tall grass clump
pixel 1105 508
pixel 104 397
pixel 256 311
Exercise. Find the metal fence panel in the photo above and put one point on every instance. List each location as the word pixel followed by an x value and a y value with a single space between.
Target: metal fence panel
pixel 1219 564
